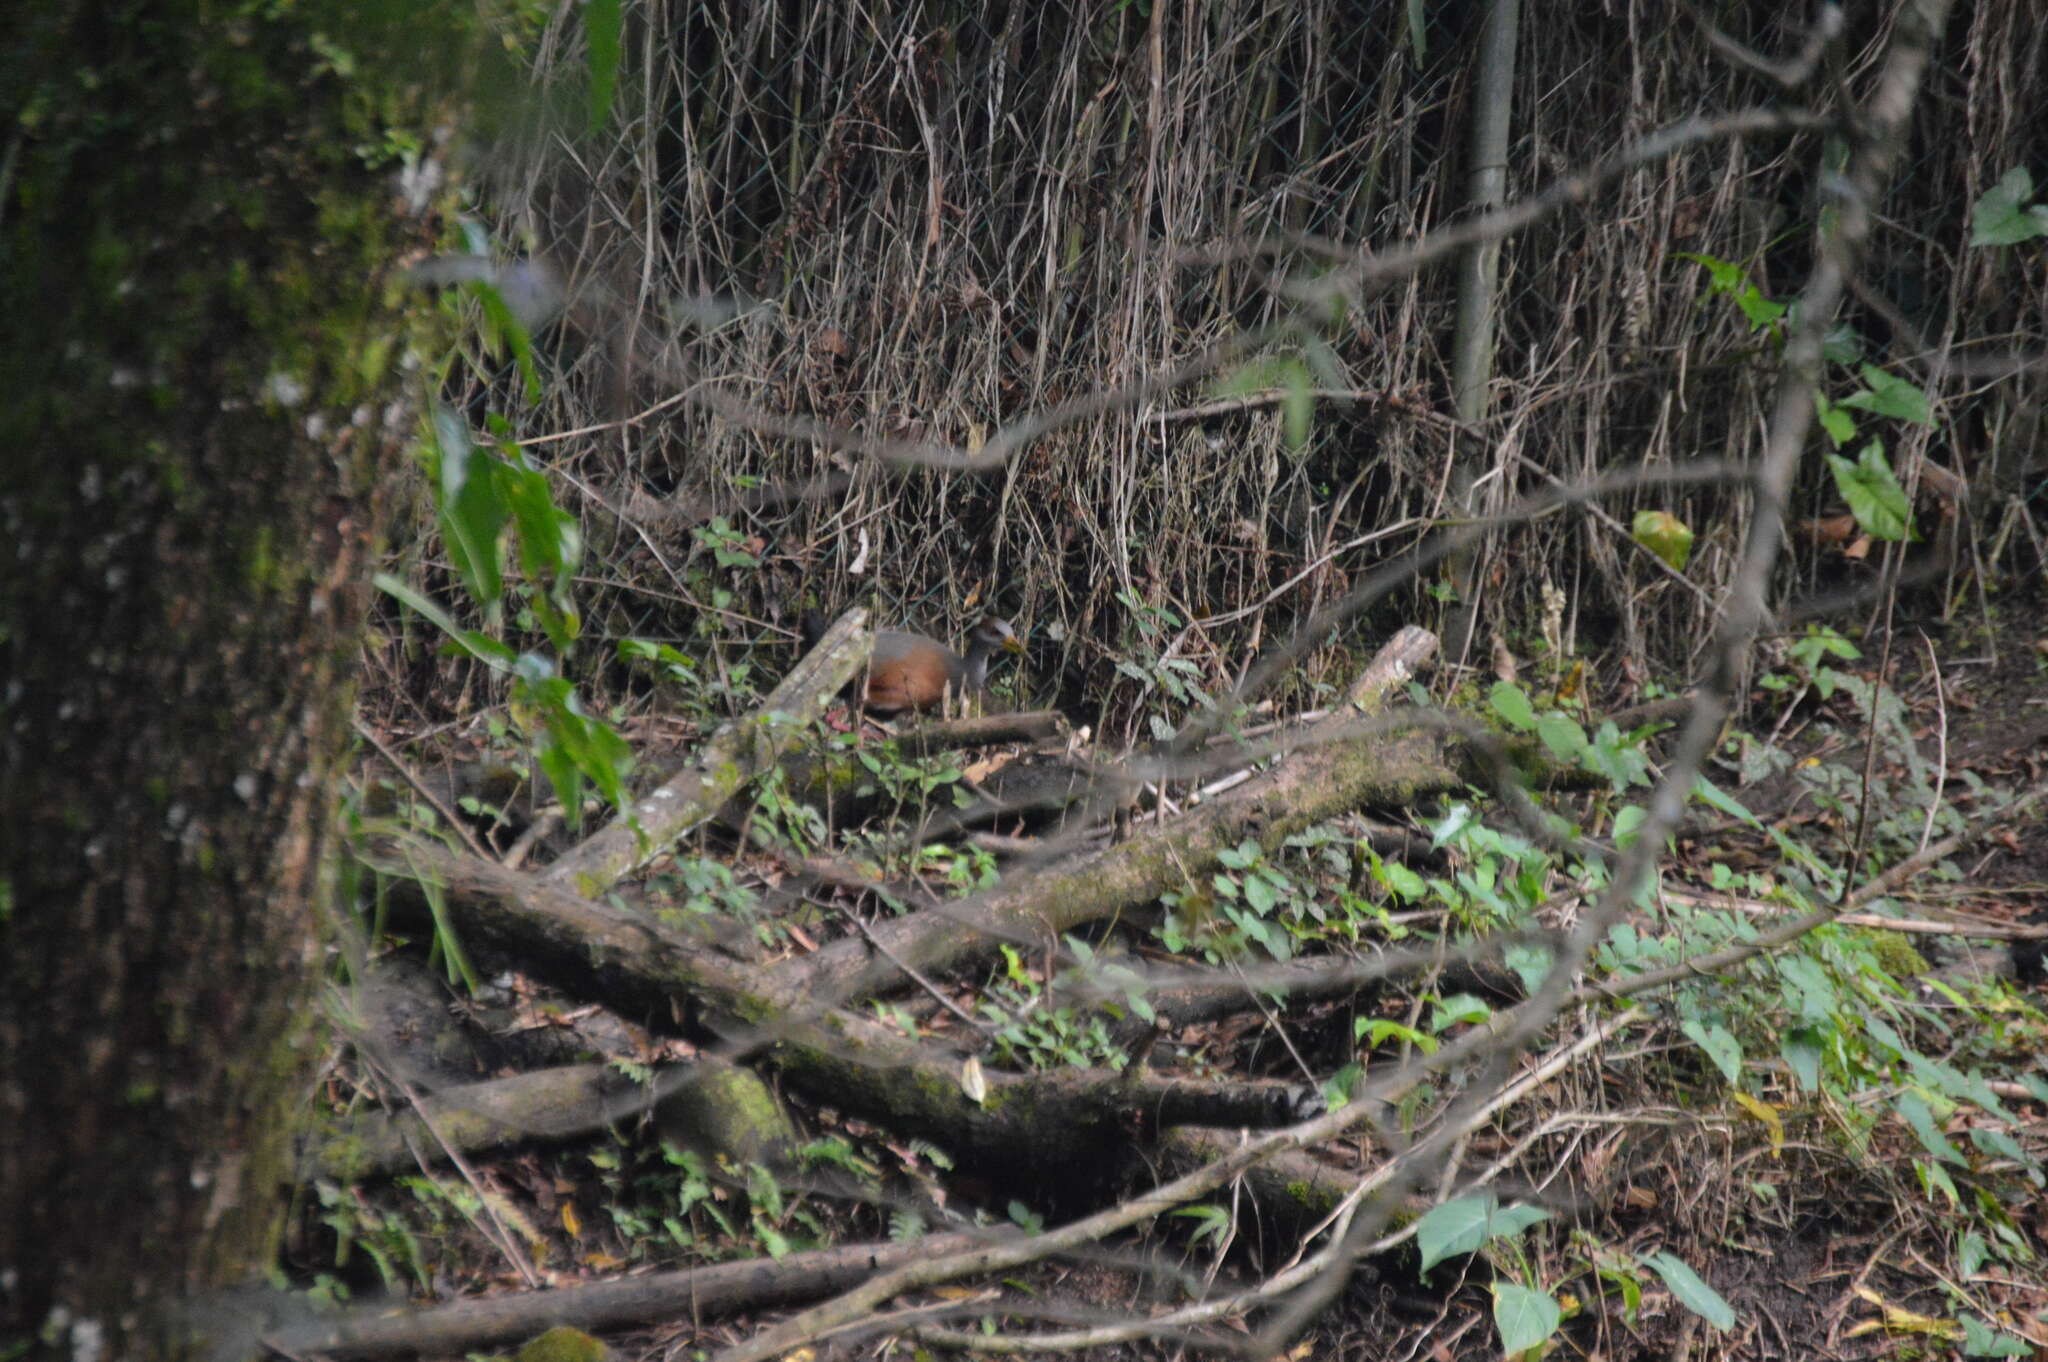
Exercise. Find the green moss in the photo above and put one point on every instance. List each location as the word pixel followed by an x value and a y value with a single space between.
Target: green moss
pixel 563 1344
pixel 1895 953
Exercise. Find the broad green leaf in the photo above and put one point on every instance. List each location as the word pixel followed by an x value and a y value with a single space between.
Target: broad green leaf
pixel 1981 1340
pixel 1464 1224
pixel 1692 1293
pixel 1724 275
pixel 1458 1226
pixel 1524 1316
pixel 1404 882
pixel 1730 280
pixel 1507 1221
pixel 1873 493
pixel 1531 964
pixel 2003 217
pixel 1720 1044
pixel 1562 735
pixel 1665 535
pixel 1803 1054
pixel 1920 1118
pixel 1839 425
pixel 1376 1031
pixel 1761 313
pixel 1888 395
pixel 1458 1008
pixel 473 513
pixel 1996 1142
pixel 1512 705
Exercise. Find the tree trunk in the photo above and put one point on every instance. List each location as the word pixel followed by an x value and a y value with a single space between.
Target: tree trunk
pixel 198 355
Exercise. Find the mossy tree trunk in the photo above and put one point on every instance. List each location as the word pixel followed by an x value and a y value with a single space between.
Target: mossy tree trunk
pixel 200 398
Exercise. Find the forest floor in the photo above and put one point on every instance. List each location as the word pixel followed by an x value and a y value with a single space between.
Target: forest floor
pixel 1828 1223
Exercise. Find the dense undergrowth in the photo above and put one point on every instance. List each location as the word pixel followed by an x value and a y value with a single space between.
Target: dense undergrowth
pixel 1779 1096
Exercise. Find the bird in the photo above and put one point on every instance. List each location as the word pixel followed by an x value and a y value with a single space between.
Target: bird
pixel 910 673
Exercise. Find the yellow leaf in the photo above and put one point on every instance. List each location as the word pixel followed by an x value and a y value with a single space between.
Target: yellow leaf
pixel 1901 1321
pixel 570 1222
pixel 971 1081
pixel 962 1293
pixel 1768 1114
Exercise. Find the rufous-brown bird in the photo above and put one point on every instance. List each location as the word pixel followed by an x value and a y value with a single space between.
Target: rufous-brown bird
pixel 909 673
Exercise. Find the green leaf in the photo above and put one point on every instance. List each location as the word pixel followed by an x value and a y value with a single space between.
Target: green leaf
pixel 1464 1224
pixel 1841 345
pixel 1512 705
pixel 1761 313
pixel 1665 535
pixel 482 647
pixel 1971 1254
pixel 1934 1178
pixel 2003 217
pixel 1981 1340
pixel 1720 1044
pixel 1723 276
pixel 473 513
pixel 1456 1227
pixel 1213 1222
pixel 1874 495
pixel 1692 1293
pixel 1839 425
pixel 1531 964
pixel 1730 280
pixel 1375 1031
pixel 1888 395
pixel 601 30
pixel 1524 1316
pixel 1920 1118
pixel 1707 792
pixel 1631 1291
pixel 1621 760
pixel 1996 1142
pixel 1458 1008
pixel 1403 882
pixel 1418 45
pixel 1562 735
pixel 1290 374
